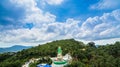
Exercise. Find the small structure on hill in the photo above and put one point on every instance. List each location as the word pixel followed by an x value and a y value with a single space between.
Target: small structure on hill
pixel 59 60
pixel 67 57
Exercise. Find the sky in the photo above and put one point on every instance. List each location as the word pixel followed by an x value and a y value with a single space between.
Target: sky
pixel 33 22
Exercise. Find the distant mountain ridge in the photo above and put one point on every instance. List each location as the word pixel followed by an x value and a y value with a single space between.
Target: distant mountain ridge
pixel 14 48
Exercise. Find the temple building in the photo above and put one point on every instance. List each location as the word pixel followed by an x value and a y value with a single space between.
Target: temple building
pixel 59 59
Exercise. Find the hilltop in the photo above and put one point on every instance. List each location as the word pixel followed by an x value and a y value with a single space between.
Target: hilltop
pixel 83 54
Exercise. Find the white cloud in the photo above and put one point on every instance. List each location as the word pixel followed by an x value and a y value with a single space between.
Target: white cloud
pixel 26 36
pixel 40 18
pixel 101 42
pixel 106 41
pixel 104 27
pixel 47 29
pixel 96 28
pixel 54 2
pixel 28 5
pixel 47 32
pixel 33 13
pixel 106 4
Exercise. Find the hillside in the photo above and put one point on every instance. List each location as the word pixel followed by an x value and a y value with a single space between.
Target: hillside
pixel 14 48
pixel 102 56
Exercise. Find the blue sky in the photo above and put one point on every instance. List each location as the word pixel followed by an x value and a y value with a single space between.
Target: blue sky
pixel 30 22
pixel 77 9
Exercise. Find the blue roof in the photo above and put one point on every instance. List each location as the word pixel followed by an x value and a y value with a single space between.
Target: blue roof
pixel 40 65
pixel 47 65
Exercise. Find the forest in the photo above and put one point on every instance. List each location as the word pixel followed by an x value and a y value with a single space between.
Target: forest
pixel 84 55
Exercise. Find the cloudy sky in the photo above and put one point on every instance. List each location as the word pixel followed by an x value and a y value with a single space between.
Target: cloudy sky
pixel 30 22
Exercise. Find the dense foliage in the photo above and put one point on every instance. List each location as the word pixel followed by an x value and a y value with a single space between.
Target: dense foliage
pixel 83 55
pixel 101 56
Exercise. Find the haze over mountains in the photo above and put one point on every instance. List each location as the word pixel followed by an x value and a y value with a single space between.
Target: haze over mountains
pixel 14 48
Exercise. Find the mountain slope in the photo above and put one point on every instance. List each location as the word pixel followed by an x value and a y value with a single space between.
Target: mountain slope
pixel 48 49
pixel 102 56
